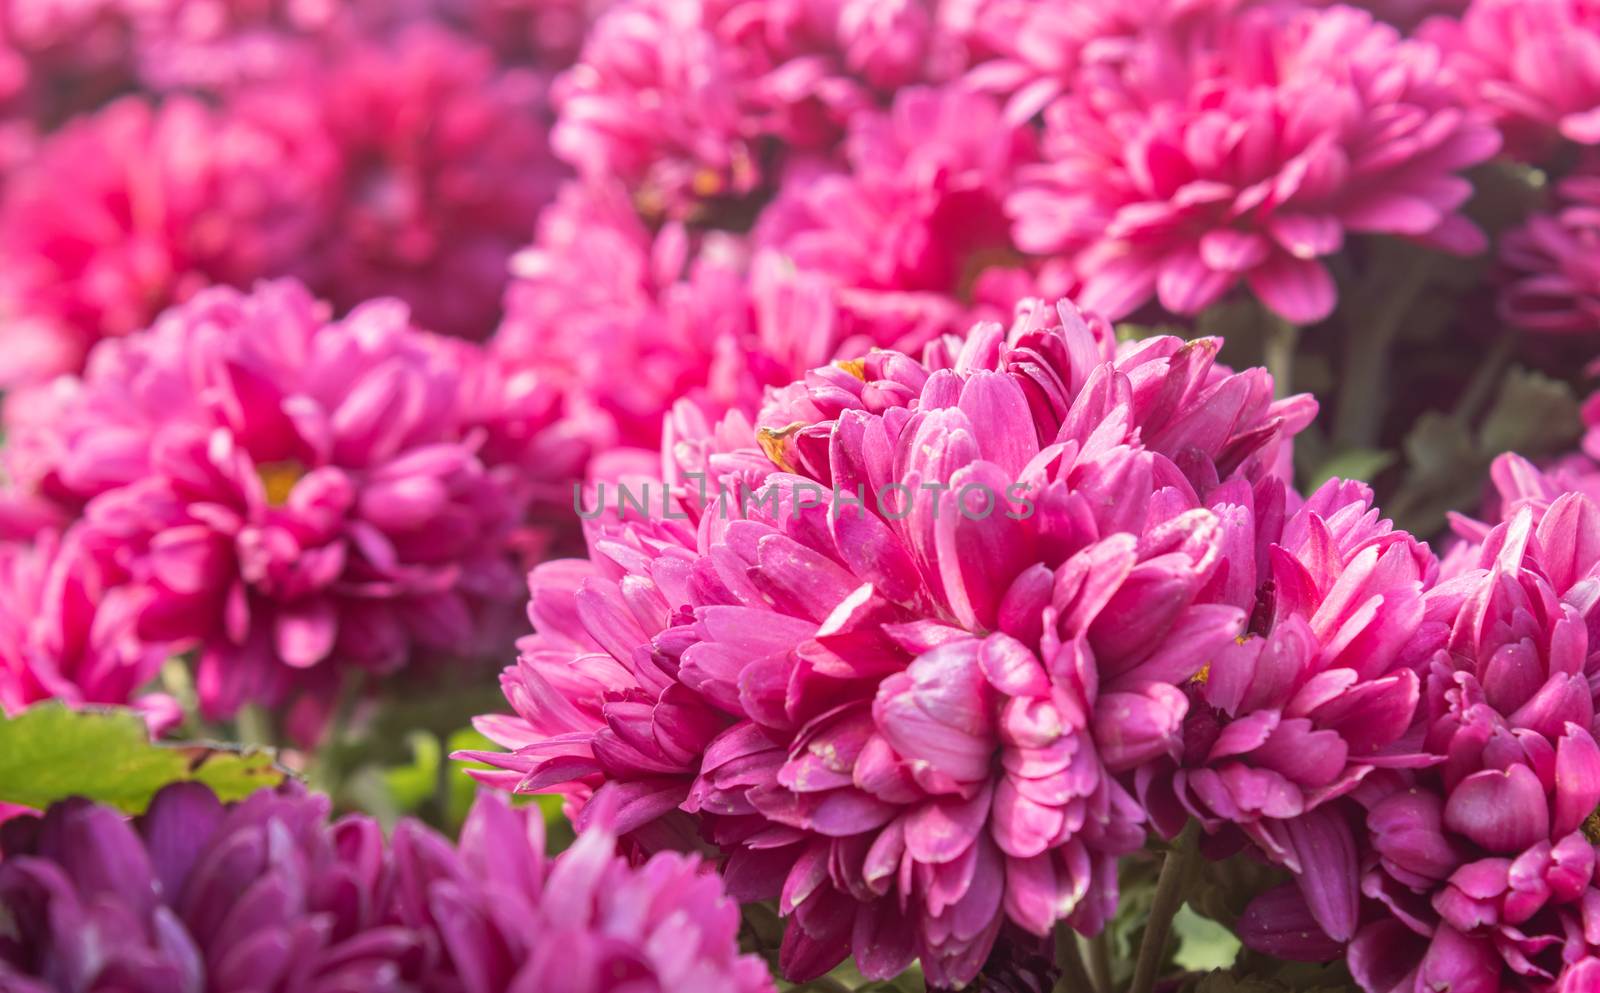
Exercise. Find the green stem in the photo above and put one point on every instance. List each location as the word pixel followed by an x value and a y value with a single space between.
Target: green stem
pixel 1482 384
pixel 1363 386
pixel 254 726
pixel 1100 960
pixel 1278 352
pixel 1074 977
pixel 1168 899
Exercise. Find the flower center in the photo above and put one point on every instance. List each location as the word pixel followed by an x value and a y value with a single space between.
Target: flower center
pixel 278 479
pixel 1591 827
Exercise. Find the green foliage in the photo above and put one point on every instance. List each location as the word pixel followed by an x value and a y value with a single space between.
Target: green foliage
pixel 1447 458
pixel 49 753
pixel 1203 944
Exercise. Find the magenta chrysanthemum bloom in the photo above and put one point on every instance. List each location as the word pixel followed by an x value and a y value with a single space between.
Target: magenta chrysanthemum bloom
pixel 1243 151
pixel 1032 49
pixel 1553 262
pixel 289 496
pixel 689 315
pixel 267 895
pixel 912 230
pixel 906 720
pixel 1533 68
pixel 443 171
pixel 549 33
pixel 687 101
pixel 133 209
pixel 654 102
pixel 1313 699
pixel 1485 861
pixel 68 633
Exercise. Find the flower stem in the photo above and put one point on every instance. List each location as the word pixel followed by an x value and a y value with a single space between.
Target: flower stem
pixel 1169 898
pixel 1363 386
pixel 1478 389
pixel 1100 960
pixel 1278 352
pixel 1074 977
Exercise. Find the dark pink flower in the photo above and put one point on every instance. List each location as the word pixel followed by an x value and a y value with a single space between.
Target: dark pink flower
pixel 687 315
pixel 906 722
pixel 655 102
pixel 1553 262
pixel 291 497
pixel 136 208
pixel 443 171
pixel 68 633
pixel 1314 698
pixel 1243 151
pixel 912 230
pixel 266 895
pixel 690 102
pixel 1533 68
pixel 1031 50
pixel 1485 860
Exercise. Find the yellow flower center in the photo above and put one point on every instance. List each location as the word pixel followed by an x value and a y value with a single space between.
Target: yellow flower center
pixel 278 479
pixel 1591 827
pixel 855 367
pixel 771 442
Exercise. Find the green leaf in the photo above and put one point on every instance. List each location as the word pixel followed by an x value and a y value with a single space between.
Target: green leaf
pixel 1203 944
pixel 1533 415
pixel 49 753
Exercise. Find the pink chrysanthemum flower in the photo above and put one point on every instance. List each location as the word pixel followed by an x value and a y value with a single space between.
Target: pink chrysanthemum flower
pixel 68 633
pixel 906 720
pixel 549 33
pixel 1553 262
pixel 1031 50
pixel 1313 699
pixel 688 102
pixel 912 229
pixel 443 171
pixel 266 895
pixel 689 316
pixel 291 497
pixel 1244 152
pixel 1534 68
pixel 654 102
pixel 1485 861
pixel 133 209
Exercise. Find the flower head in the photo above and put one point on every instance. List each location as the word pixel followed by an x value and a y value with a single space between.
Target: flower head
pixel 68 633
pixel 137 207
pixel 1534 68
pixel 689 316
pixel 1553 282
pixel 1244 150
pixel 1314 698
pixel 443 168
pixel 289 495
pixel 1484 860
pixel 912 230
pixel 265 894
pixel 905 716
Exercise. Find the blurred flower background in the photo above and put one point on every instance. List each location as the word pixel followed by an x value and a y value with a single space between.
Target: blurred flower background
pixel 639 496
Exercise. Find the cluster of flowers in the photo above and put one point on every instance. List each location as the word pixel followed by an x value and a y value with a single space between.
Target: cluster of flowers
pixel 314 312
pixel 266 895
pixel 918 730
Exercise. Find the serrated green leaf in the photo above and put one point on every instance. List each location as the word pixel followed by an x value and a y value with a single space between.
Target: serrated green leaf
pixel 1533 415
pixel 49 753
pixel 1203 944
